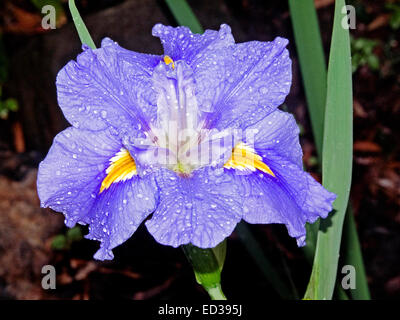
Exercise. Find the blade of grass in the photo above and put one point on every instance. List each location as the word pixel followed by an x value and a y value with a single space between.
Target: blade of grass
pixel 312 62
pixel 340 293
pixel 352 256
pixel 336 159
pixel 80 26
pixel 306 31
pixel 207 266
pixel 184 15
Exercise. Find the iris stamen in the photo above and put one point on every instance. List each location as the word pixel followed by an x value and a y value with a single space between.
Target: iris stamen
pixel 168 60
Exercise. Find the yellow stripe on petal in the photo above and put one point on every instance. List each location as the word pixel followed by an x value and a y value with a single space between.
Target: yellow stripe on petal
pixel 245 158
pixel 122 167
pixel 168 60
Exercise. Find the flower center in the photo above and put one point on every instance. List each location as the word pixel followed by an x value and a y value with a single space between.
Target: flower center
pixel 181 143
pixel 177 128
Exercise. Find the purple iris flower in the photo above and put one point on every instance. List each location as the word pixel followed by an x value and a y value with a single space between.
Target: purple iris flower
pixel 191 140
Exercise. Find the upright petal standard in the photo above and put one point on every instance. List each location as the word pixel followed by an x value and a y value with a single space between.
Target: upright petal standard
pixel 191 140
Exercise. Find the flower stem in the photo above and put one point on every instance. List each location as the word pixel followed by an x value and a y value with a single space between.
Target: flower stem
pixel 207 266
pixel 216 293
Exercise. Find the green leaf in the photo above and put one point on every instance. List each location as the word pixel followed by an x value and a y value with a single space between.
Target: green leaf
pixel 6 106
pixel 207 265
pixel 336 159
pixel 373 62
pixel 362 53
pixel 74 234
pixel 80 25
pixel 59 242
pixel 184 15
pixel 306 27
pixel 352 256
pixel 340 293
pixel 395 15
pixel 312 62
pixel 11 104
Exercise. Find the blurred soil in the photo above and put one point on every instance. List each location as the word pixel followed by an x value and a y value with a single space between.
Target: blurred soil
pixel 25 231
pixel 143 269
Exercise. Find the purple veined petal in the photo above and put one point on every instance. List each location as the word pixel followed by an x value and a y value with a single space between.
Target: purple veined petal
pixel 76 161
pixel 118 212
pixel 244 84
pixel 278 133
pixel 202 209
pixel 69 181
pixel 109 86
pixel 293 197
pixel 181 44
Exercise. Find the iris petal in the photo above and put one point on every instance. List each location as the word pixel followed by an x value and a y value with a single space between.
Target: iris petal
pixel 69 180
pixel 202 209
pixel 293 197
pixel 277 132
pixel 245 83
pixel 181 44
pixel 109 86
pixel 118 212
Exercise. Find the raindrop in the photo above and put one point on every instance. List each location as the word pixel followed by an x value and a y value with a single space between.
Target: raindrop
pixel 199 196
pixel 188 205
pixel 263 90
